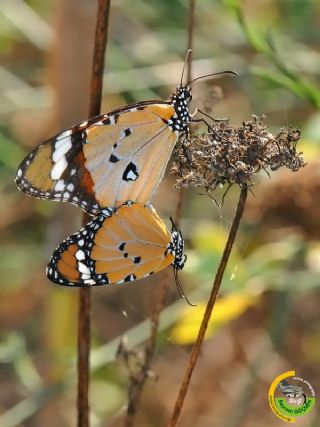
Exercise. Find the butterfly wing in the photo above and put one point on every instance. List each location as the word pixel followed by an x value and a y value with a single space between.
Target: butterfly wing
pixel 124 245
pixel 130 245
pixel 69 264
pixel 105 161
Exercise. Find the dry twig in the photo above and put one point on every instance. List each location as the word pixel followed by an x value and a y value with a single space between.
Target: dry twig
pixel 85 293
pixel 137 380
pixel 191 25
pixel 229 155
pixel 139 362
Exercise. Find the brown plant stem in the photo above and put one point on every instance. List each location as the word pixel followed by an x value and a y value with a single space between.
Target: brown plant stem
pixel 191 24
pixel 85 293
pixel 207 315
pixel 138 380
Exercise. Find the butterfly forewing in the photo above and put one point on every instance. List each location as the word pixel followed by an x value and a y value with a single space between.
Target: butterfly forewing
pixel 69 264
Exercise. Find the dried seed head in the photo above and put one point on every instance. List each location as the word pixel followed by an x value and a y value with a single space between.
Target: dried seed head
pixel 229 155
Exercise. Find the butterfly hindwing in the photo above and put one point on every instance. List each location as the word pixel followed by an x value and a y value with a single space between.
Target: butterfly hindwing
pixel 119 245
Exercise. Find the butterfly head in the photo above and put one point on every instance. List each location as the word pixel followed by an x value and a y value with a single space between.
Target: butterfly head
pixel 176 247
pixel 184 94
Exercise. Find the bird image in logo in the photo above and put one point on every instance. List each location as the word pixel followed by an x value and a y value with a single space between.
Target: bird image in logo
pixel 291 396
pixel 294 394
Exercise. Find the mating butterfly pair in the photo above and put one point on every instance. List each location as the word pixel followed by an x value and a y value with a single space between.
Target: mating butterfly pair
pixel 111 166
pixel 99 166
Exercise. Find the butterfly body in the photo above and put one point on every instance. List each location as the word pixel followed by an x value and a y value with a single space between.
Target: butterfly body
pixel 120 245
pixel 108 159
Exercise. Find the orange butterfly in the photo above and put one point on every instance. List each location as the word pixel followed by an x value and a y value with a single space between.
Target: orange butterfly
pixel 120 245
pixel 108 159
pixel 111 158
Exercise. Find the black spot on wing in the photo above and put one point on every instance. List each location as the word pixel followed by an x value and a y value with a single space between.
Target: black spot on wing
pixel 129 278
pixel 127 132
pixel 113 159
pixel 130 173
pixel 121 246
pixel 137 259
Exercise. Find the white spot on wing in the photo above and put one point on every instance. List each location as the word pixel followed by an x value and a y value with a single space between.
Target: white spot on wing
pixel 61 148
pixel 59 168
pixel 131 176
pixel 89 282
pixel 64 134
pixel 59 185
pixel 80 256
pixel 83 268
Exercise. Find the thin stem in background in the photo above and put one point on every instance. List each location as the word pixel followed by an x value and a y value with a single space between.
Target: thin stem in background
pixel 101 33
pixel 207 315
pixel 138 381
pixel 191 24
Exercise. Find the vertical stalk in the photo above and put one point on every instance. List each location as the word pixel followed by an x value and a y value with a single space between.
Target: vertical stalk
pixel 138 380
pixel 85 293
pixel 191 24
pixel 137 383
pixel 207 315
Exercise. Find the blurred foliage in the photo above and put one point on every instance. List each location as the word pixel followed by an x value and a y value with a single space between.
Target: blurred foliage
pixel 284 76
pixel 270 291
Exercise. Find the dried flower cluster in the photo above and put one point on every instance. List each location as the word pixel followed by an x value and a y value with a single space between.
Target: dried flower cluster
pixel 229 155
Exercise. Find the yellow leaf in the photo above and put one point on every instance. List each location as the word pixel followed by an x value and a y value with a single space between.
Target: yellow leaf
pixel 225 310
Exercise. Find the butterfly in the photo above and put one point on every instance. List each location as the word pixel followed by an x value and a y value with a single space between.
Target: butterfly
pixel 111 158
pixel 120 245
pixel 108 159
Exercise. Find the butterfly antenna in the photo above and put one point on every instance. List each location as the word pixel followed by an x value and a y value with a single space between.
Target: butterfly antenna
pixel 181 293
pixel 232 73
pixel 174 227
pixel 184 65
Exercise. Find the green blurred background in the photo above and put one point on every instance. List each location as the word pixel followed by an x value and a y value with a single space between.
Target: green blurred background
pixel 267 319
